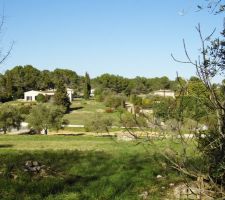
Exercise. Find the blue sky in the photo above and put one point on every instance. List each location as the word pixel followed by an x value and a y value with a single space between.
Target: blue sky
pixel 125 37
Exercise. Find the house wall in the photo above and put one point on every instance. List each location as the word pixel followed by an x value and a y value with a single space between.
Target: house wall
pixel 30 95
pixel 164 93
pixel 70 95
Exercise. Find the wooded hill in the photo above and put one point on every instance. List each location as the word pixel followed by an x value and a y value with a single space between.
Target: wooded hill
pixel 14 82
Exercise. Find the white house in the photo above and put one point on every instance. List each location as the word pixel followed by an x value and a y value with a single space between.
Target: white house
pixel 92 92
pixel 31 95
pixel 70 93
pixel 164 93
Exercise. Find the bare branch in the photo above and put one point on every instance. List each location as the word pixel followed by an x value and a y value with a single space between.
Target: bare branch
pixel 7 54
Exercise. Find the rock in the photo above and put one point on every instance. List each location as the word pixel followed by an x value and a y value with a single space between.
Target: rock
pixel 38 168
pixel 28 163
pixel 14 176
pixel 159 176
pixel 43 173
pixel 163 188
pixel 33 169
pixel 144 195
pixel 32 166
pixel 171 184
pixel 35 163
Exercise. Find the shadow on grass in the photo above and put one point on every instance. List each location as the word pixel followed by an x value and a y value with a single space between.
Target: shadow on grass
pixel 71 134
pixel 76 108
pixel 6 145
pixel 107 136
pixel 84 175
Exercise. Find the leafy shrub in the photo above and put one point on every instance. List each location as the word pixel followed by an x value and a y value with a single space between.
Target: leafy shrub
pixel 44 117
pixel 99 98
pixel 210 121
pixel 101 94
pixel 33 103
pixel 10 116
pixel 25 109
pixel 98 124
pixel 165 108
pixel 115 101
pixel 136 100
pixel 212 146
pixel 40 98
pixel 147 103
pixel 129 120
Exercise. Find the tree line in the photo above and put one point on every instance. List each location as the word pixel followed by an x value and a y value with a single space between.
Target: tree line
pixel 14 82
pixel 20 79
pixel 137 85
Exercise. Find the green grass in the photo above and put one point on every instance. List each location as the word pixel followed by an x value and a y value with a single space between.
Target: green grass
pixel 81 130
pixel 20 102
pixel 82 167
pixel 81 110
pixel 10 143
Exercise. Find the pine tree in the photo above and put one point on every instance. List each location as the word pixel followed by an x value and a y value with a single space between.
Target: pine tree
pixel 87 86
pixel 61 97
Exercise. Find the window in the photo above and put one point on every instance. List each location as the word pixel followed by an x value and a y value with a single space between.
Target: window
pixel 29 98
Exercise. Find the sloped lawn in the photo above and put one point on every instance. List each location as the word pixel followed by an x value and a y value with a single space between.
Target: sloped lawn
pixel 82 110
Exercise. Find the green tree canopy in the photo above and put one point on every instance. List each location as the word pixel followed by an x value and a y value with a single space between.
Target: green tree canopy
pixel 68 77
pixel 61 97
pixel 87 86
pixel 44 117
pixel 10 117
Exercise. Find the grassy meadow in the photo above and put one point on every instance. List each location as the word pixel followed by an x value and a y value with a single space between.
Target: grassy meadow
pixel 82 167
pixel 79 165
pixel 81 110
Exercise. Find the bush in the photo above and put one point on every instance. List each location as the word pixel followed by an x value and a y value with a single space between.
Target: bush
pixel 44 117
pixel 40 98
pixel 128 120
pixel 212 147
pixel 136 100
pixel 99 98
pixel 101 94
pixel 25 109
pixel 165 108
pixel 10 117
pixel 115 101
pixel 98 124
pixel 210 121
pixel 147 103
